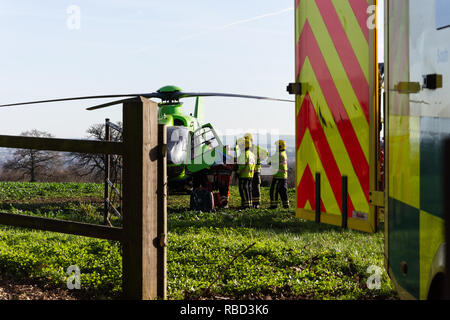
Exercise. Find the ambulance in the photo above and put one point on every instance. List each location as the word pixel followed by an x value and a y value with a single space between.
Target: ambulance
pixel 418 122
pixel 363 158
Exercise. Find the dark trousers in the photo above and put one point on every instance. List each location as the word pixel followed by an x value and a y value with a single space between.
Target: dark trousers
pixel 279 188
pixel 224 181
pixel 245 190
pixel 256 189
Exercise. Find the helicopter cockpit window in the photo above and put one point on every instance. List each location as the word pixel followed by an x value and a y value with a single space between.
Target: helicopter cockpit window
pixel 203 139
pixel 205 136
pixel 177 140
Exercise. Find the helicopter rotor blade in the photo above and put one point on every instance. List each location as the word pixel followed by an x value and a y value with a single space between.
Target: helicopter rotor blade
pixel 165 96
pixel 228 95
pixel 71 99
pixel 113 103
pixel 109 104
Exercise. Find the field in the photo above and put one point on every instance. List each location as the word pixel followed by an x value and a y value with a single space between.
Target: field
pixel 286 258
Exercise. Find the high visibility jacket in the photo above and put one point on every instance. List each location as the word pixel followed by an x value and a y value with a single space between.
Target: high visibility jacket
pixel 238 149
pixel 261 155
pixel 282 160
pixel 246 164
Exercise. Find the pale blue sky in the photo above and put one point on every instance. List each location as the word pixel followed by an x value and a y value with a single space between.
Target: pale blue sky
pixel 131 46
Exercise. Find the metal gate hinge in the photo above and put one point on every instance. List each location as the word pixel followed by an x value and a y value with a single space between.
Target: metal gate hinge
pixel 163 240
pixel 163 150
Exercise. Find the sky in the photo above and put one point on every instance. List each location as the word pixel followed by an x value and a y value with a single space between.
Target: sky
pixel 57 49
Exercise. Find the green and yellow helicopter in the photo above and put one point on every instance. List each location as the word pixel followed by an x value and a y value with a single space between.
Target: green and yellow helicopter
pixel 192 146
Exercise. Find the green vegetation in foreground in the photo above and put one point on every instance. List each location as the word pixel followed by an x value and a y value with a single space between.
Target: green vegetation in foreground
pixel 291 258
pixel 23 191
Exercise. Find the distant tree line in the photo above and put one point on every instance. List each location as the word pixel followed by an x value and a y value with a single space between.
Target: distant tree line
pixel 267 180
pixel 45 166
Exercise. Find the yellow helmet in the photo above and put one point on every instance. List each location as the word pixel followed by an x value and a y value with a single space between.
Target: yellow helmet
pixel 248 142
pixel 249 136
pixel 281 144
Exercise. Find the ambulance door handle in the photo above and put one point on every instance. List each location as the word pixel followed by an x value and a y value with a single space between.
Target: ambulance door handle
pixel 408 87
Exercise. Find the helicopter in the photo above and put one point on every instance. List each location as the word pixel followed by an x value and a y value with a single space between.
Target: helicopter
pixel 192 146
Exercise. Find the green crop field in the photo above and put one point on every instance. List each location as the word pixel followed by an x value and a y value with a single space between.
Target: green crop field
pixel 288 258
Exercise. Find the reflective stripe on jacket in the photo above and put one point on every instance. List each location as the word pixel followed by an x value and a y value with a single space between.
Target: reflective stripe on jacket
pixel 282 160
pixel 261 155
pixel 246 165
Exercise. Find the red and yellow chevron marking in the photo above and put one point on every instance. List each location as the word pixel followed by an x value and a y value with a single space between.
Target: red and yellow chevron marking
pixel 332 63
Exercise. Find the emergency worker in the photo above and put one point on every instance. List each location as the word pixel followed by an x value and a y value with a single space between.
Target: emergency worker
pixel 223 174
pixel 246 163
pixel 261 155
pixel 279 178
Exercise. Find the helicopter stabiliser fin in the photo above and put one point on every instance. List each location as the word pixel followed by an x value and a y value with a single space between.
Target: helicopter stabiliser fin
pixel 199 112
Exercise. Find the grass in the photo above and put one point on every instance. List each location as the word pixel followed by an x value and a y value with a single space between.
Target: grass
pixel 25 191
pixel 44 257
pixel 290 258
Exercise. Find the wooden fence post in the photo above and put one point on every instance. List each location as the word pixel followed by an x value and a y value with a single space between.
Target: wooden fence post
pixel 162 212
pixel 107 175
pixel 141 157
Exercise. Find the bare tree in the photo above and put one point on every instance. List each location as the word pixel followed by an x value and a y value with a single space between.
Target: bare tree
pixel 32 163
pixel 93 165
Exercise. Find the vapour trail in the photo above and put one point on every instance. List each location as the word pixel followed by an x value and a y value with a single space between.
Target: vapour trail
pixel 243 21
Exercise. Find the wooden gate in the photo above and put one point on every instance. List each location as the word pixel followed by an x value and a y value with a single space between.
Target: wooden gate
pixel 144 232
